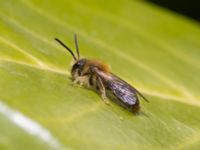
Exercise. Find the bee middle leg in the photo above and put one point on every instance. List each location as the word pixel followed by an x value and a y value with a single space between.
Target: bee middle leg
pixel 102 90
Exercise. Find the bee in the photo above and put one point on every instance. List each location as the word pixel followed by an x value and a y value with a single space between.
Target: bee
pixel 97 75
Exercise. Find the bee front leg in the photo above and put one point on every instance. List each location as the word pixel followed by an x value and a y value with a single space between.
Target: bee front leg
pixel 81 80
pixel 102 90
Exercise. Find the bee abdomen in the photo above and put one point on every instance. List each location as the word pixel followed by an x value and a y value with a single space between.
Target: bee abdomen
pixel 135 108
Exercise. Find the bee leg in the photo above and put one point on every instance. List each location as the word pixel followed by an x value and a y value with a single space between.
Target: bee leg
pixel 81 80
pixel 102 90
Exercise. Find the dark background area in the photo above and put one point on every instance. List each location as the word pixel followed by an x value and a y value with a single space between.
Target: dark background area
pixel 190 8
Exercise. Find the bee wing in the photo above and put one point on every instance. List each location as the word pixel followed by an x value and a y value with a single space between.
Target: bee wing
pixel 121 89
pixel 126 88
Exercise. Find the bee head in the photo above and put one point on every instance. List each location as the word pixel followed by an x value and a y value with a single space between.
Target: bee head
pixel 77 68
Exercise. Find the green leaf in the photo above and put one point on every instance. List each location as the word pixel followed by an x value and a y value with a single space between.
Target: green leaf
pixel 153 49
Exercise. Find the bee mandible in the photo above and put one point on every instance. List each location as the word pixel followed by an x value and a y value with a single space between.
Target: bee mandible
pixel 97 75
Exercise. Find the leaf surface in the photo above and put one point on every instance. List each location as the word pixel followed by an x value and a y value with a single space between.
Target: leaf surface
pixel 149 47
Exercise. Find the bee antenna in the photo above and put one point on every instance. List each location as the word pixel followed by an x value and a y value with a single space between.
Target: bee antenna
pixel 65 46
pixel 76 44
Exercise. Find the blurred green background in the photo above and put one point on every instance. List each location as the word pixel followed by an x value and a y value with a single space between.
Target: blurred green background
pixel 152 48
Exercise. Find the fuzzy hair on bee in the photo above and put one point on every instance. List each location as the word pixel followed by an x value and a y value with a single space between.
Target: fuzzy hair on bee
pixel 96 75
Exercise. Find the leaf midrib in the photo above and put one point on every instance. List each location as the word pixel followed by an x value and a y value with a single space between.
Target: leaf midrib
pixel 66 73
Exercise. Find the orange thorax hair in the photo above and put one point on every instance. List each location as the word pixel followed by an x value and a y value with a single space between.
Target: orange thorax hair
pixel 96 63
